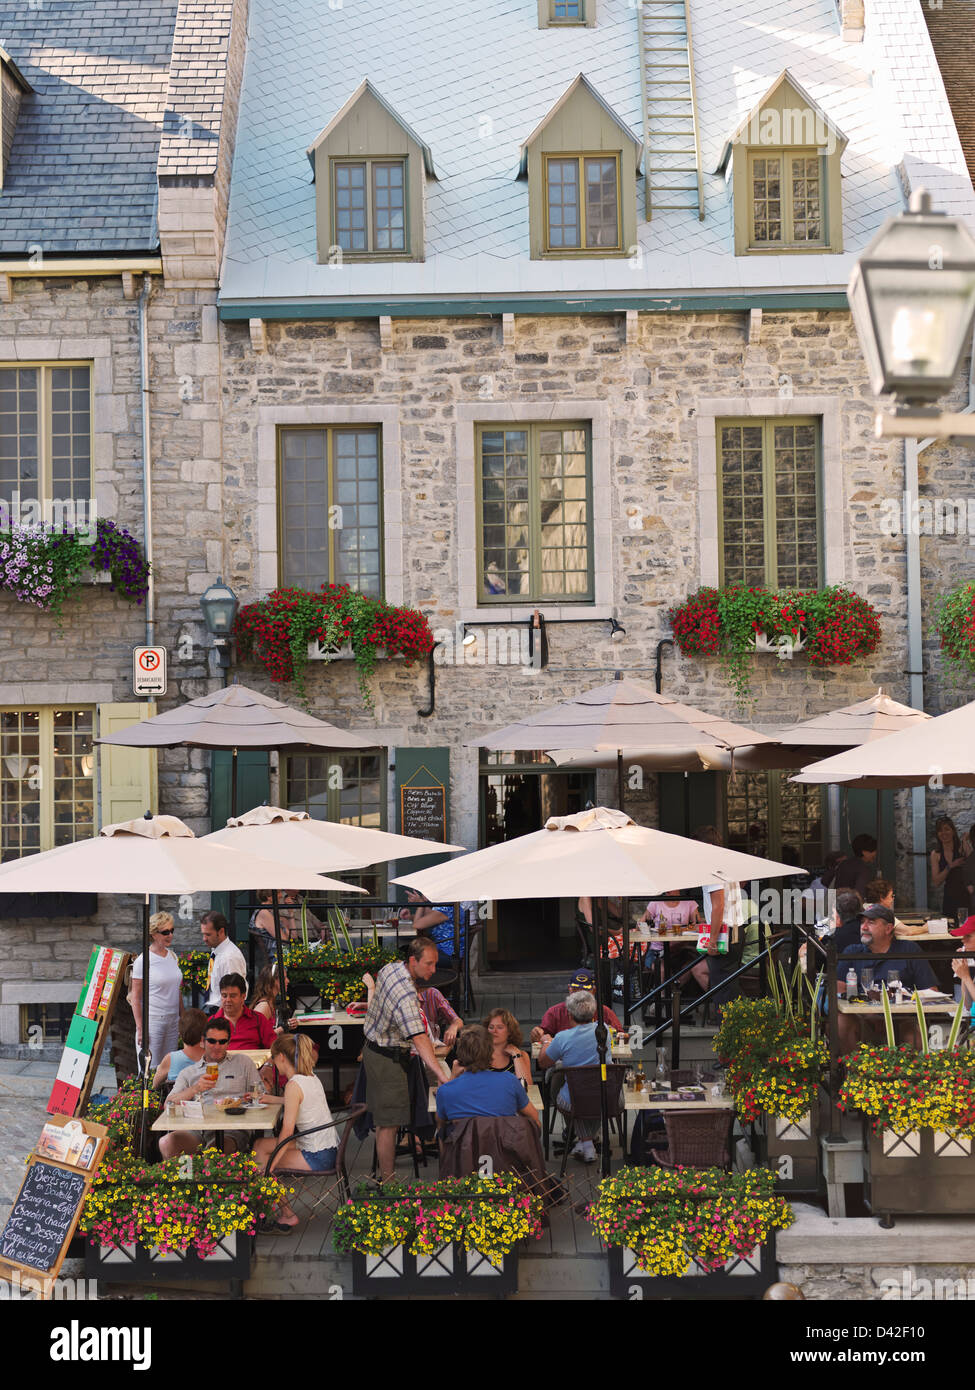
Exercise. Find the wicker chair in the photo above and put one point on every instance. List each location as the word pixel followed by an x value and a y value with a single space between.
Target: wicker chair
pixel 584 1086
pixel 697 1139
pixel 312 1191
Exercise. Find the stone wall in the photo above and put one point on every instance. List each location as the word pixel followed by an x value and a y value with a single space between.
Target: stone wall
pixel 660 396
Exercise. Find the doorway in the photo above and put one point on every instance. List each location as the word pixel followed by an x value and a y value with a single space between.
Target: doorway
pixel 518 793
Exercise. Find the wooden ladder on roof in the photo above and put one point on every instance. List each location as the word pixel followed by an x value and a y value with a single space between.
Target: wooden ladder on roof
pixel 672 153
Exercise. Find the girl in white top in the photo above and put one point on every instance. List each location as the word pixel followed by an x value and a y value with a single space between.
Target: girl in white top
pixel 305 1107
pixel 165 989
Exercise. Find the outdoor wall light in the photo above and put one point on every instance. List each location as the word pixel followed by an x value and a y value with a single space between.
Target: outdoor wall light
pixel 219 605
pixel 912 297
pixel 537 640
pixel 616 630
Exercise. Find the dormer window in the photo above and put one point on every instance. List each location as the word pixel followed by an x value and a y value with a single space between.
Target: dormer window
pixel 582 201
pixel 785 172
pixel 553 14
pixel 370 182
pixel 369 198
pixel 13 86
pixel 581 163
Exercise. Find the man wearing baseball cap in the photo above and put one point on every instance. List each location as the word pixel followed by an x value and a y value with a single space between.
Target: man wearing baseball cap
pixel 557 1020
pixel 876 938
pixel 961 967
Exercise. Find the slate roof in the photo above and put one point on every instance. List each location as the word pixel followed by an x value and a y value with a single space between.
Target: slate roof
pixel 477 79
pixel 194 100
pixel 82 171
pixel 952 30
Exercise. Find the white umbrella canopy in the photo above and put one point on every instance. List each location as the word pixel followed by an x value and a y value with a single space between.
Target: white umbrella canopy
pixel 619 716
pixel 235 718
pixel 942 747
pixel 596 853
pixel 854 725
pixel 744 758
pixel 154 855
pixel 295 838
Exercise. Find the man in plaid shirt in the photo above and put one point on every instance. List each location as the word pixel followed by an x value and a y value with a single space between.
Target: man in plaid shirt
pixel 394 1022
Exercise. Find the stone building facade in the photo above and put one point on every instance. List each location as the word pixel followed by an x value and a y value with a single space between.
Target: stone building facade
pixel 649 372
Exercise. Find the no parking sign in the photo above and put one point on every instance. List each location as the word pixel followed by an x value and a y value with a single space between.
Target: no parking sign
pixel 149 670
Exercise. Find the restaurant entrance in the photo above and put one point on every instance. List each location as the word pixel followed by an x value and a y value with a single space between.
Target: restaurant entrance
pixel 518 793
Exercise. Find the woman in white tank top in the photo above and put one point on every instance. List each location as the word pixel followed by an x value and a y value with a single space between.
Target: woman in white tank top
pixel 305 1108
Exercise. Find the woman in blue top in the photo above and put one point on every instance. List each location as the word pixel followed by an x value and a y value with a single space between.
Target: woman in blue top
pixel 192 1026
pixel 438 924
pixel 478 1090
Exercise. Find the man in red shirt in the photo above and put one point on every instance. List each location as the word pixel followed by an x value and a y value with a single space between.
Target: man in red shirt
pixel 249 1029
pixel 557 1020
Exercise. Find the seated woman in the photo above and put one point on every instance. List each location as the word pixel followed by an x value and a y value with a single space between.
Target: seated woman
pixel 191 1029
pixel 305 1107
pixel 479 1090
pixel 507 1046
pixel 264 999
pixel 880 893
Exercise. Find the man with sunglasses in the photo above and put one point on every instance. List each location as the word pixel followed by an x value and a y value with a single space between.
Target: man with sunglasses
pixel 236 1076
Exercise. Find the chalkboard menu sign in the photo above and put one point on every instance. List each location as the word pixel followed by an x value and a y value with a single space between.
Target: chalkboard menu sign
pixel 423 812
pixel 43 1217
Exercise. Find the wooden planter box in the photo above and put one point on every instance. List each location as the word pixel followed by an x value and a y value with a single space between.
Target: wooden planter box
pixel 792 1149
pixel 144 1264
pixel 922 1173
pixel 742 1277
pixel 450 1270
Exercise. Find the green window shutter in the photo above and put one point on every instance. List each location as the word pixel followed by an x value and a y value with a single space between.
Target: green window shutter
pixel 253 789
pixel 128 785
pixel 420 767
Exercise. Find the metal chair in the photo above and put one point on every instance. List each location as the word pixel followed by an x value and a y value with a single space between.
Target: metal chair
pixel 313 1190
pixel 584 1086
pixel 697 1139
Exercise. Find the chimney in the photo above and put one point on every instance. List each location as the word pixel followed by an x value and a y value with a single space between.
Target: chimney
pixel 851 20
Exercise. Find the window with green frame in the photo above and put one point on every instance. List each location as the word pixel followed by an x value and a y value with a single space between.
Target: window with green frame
pixel 534 500
pixel 566 11
pixel 770 816
pixel 345 787
pixel 47 779
pixel 770 502
pixel 582 202
pixel 369 206
pixel 330 508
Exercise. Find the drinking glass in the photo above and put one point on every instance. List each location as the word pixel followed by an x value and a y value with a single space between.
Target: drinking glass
pixel 866 977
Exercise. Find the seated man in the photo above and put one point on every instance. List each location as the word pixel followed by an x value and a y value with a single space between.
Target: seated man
pixel 248 1028
pixel 236 1076
pixel 479 1090
pixel 557 1019
pixel 877 937
pixel 575 1047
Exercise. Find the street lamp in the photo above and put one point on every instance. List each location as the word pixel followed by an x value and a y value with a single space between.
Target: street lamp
pixel 912 296
pixel 220 605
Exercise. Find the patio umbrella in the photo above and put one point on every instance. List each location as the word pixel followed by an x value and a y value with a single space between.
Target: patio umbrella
pixel 235 718
pixel 596 854
pixel 942 747
pixel 153 855
pixel 618 717
pixel 294 838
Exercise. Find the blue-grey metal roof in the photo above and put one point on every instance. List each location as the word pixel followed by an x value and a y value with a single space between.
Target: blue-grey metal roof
pixel 476 80
pixel 82 171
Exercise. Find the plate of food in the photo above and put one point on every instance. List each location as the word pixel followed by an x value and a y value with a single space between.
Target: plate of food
pixel 231 1105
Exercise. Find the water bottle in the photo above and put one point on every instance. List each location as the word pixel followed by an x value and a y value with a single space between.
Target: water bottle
pixel 851 984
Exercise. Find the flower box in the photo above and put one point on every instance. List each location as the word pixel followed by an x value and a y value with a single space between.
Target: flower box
pixel 743 1276
pixel 146 1264
pixel 395 1273
pixel 919 1172
pixel 791 1148
pixel 318 651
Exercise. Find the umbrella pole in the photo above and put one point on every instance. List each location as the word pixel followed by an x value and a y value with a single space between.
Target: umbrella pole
pixel 619 777
pixel 232 896
pixel 145 1057
pixel 598 907
pixel 279 953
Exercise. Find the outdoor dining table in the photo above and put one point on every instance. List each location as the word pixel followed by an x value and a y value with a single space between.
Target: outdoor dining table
pixel 260 1056
pixel 934 1006
pixel 256 1117
pixel 328 1019
pixel 642 936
